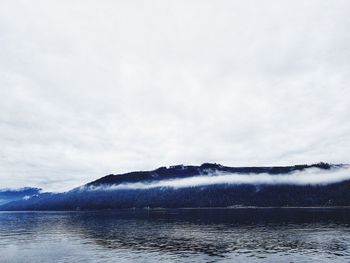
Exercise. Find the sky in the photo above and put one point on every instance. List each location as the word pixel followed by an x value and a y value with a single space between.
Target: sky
pixel 89 88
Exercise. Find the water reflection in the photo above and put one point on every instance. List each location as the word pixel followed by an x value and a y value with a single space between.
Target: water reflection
pixel 177 235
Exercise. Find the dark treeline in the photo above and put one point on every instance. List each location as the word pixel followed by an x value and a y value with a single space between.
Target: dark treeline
pixel 209 196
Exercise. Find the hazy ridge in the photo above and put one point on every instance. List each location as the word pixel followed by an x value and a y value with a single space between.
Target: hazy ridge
pixel 207 185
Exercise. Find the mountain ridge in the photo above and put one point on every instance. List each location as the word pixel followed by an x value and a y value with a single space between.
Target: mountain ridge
pixel 207 185
pixel 191 170
pixel 9 195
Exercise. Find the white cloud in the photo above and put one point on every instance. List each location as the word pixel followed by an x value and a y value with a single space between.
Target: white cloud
pixel 311 176
pixel 91 88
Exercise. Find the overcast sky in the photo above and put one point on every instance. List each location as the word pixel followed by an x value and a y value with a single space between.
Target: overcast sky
pixel 89 88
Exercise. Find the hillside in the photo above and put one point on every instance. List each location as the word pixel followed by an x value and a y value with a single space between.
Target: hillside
pixel 208 185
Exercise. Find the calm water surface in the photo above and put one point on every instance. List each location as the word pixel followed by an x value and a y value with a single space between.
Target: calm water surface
pixel 202 235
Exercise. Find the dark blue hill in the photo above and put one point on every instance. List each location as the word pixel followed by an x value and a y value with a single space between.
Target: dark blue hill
pixel 10 195
pixel 131 190
pixel 182 171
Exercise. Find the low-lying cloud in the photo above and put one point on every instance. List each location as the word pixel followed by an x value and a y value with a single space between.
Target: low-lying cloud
pixel 311 176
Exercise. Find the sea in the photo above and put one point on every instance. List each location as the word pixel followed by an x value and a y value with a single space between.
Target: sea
pixel 177 235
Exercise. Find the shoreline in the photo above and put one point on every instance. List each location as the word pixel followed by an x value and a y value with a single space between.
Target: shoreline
pixel 182 208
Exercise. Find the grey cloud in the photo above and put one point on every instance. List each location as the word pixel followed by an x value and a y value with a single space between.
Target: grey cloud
pixel 91 88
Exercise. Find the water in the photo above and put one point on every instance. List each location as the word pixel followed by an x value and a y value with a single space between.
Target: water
pixel 187 235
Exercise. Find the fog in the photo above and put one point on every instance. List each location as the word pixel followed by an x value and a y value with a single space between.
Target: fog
pixel 310 176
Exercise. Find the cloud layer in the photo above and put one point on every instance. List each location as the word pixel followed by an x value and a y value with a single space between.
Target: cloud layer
pixel 311 176
pixel 89 88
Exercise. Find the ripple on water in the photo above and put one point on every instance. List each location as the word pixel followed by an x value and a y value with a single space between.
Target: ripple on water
pixel 246 235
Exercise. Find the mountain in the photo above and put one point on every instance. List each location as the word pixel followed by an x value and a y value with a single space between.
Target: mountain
pixel 181 171
pixel 207 185
pixel 10 195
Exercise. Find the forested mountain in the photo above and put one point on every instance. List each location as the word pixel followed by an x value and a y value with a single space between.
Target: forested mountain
pixel 208 185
